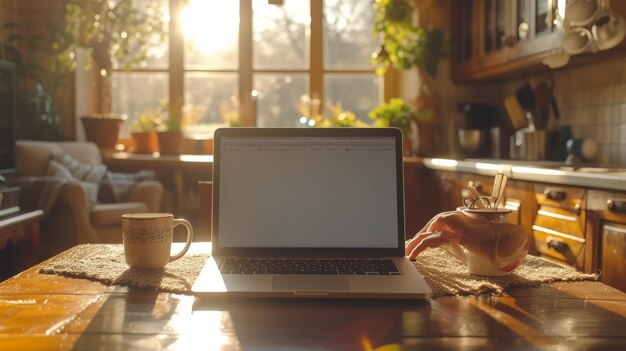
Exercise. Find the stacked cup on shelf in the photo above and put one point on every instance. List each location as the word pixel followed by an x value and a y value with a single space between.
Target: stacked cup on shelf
pixel 590 25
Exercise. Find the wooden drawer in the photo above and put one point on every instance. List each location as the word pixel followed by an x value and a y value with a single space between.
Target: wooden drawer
pixel 564 221
pixel 610 206
pixel 560 246
pixel 570 198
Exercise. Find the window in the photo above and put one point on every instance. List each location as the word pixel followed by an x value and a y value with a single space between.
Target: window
pixel 249 62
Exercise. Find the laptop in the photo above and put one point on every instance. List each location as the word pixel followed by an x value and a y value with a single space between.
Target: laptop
pixel 301 212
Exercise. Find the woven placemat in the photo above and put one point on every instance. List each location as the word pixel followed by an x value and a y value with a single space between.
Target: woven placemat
pixel 106 264
pixel 445 274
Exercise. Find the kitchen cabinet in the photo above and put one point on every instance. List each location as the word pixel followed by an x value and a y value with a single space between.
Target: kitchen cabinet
pixel 494 37
pixel 572 220
pixel 609 227
pixel 559 229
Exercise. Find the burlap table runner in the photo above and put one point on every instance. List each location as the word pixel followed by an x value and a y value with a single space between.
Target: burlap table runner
pixel 445 274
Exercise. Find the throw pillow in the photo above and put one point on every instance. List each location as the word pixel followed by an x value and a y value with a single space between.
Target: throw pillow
pixel 116 186
pixel 92 173
pixel 56 169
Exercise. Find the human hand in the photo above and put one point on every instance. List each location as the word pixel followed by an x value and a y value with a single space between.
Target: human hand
pixel 503 243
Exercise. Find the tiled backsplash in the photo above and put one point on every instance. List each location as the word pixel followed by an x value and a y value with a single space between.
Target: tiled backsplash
pixel 592 100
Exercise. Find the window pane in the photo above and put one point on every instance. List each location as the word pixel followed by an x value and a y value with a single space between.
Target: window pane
pixel 211 31
pixel 280 36
pixel 358 94
pixel 136 92
pixel 150 13
pixel 348 39
pixel 279 95
pixel 209 98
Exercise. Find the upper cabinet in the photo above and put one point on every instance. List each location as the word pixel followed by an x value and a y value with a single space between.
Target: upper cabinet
pixel 493 37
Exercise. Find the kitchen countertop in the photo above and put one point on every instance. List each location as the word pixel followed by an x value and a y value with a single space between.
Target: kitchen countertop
pixel 607 177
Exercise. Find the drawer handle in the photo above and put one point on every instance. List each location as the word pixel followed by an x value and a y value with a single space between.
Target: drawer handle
pixel 558 246
pixel 617 206
pixel 555 195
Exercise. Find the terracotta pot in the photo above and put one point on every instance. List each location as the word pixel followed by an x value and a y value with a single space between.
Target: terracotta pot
pixel 145 142
pixel 102 130
pixel 170 143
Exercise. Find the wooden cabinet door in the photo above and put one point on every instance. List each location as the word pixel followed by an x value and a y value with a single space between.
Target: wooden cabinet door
pixel 495 28
pixel 609 236
pixel 534 28
pixel 613 255
pixel 465 51
pixel 507 35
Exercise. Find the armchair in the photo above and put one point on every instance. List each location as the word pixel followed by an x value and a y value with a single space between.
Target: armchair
pixel 72 219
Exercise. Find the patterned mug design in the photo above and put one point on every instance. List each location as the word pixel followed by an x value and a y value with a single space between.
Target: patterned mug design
pixel 145 235
pixel 147 239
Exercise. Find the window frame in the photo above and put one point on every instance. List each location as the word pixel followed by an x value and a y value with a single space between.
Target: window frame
pixel 246 72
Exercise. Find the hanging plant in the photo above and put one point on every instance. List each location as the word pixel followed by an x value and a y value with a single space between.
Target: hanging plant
pixel 403 44
pixel 122 31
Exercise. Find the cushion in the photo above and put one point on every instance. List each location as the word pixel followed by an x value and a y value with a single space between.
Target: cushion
pixel 115 186
pixel 57 170
pixel 84 152
pixel 33 157
pixel 106 215
pixel 93 173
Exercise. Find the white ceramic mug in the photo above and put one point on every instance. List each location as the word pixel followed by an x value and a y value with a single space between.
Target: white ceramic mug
pixel 581 12
pixel 577 40
pixel 476 264
pixel 147 239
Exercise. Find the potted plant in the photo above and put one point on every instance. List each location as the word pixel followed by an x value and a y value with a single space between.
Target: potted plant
pixel 143 133
pixel 170 137
pixel 405 45
pixel 105 32
pixel 103 129
pixel 398 114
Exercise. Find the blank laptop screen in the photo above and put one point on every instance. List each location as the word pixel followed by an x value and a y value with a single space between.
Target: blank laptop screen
pixel 308 192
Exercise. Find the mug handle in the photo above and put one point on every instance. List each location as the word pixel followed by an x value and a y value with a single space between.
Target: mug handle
pixel 189 238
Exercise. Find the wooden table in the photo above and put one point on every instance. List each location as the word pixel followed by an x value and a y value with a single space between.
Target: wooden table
pixel 130 162
pixel 48 312
pixel 179 174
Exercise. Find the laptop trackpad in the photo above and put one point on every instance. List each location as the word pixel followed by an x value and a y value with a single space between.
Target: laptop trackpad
pixel 310 283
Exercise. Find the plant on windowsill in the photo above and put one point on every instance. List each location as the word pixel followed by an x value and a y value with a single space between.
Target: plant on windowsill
pixel 143 132
pixel 397 113
pixel 340 118
pixel 405 45
pixel 108 32
pixel 170 137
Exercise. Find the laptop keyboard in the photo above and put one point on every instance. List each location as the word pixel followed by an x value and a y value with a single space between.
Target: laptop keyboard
pixel 309 266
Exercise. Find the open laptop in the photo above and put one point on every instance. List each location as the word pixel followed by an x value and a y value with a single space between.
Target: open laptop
pixel 301 212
